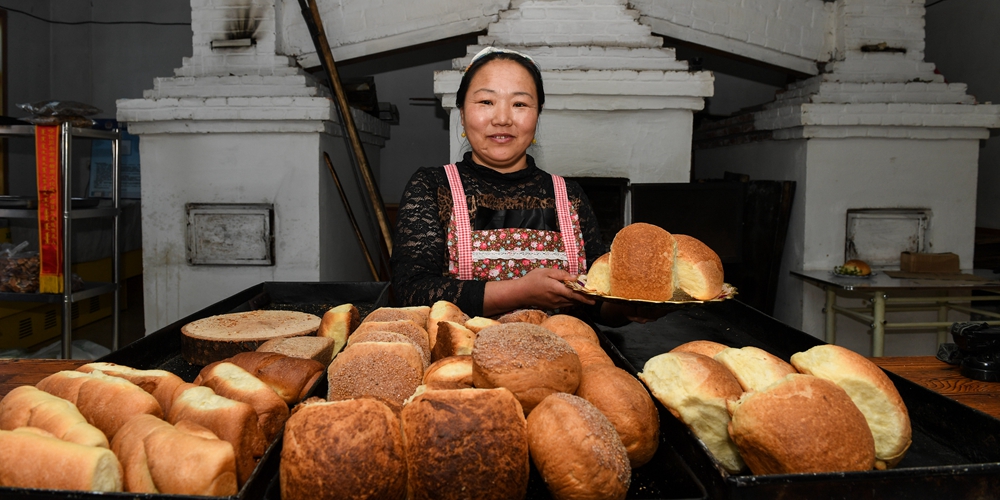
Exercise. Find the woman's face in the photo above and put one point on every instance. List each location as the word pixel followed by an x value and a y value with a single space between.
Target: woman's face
pixel 500 114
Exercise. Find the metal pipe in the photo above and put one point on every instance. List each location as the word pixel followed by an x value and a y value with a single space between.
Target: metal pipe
pixel 65 155
pixel 854 315
pixel 350 215
pixel 973 310
pixel 901 300
pixel 116 241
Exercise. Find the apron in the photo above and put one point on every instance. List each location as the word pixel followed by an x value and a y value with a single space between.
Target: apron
pixel 509 253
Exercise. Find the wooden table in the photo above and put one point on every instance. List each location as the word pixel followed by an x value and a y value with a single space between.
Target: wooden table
pixel 16 372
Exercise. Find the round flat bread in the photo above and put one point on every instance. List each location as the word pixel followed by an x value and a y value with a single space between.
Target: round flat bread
pixel 218 337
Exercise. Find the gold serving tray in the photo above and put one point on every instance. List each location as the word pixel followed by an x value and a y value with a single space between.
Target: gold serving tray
pixel 580 285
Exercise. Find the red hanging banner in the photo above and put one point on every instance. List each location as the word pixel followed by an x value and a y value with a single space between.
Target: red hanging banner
pixel 50 200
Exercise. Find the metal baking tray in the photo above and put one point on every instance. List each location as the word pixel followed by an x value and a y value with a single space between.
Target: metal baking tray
pixel 954 454
pixel 162 350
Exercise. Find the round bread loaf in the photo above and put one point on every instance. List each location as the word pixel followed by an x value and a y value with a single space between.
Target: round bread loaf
pixel 703 347
pixel 589 352
pixel 533 316
pixel 342 449
pixel 385 336
pixel 698 268
pixel 871 390
pixel 695 389
pixel 754 368
pixel 465 443
pixel 599 274
pixel 856 267
pixel 214 338
pixel 624 400
pixel 801 424
pixel 642 263
pixel 565 325
pixel 454 369
pixel 577 450
pixel 386 371
pixel 529 360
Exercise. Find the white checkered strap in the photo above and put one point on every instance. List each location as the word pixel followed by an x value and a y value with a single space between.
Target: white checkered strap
pixel 463 228
pixel 563 211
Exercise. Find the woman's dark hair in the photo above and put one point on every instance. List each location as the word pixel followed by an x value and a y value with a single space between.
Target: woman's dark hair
pixel 536 75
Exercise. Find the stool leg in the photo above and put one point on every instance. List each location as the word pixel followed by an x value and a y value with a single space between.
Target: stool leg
pixel 878 324
pixel 831 316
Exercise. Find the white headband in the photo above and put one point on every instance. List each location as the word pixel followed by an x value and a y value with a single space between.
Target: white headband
pixel 490 50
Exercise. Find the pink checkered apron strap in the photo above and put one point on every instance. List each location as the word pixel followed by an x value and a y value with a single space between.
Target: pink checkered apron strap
pixel 463 229
pixel 563 210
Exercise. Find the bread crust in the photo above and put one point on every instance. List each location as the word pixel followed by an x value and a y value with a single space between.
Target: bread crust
pixel 625 402
pixel 565 325
pixel 415 332
pixel 290 377
pixel 454 369
pixel 642 263
pixel 443 310
pixel 161 384
pixel 33 458
pixel 703 347
pixel 106 402
pixel 27 406
pixel 386 371
pixel 230 381
pixel 698 268
pixel 318 349
pixel 386 336
pixel 338 324
pixel 533 316
pixel 453 339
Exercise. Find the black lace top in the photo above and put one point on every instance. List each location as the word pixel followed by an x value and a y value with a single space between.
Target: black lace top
pixel 420 257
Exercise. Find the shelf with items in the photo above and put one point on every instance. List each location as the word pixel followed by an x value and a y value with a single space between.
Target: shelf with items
pixel 74 209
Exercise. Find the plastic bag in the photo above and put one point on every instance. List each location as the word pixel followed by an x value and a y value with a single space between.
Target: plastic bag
pixel 19 270
pixel 56 112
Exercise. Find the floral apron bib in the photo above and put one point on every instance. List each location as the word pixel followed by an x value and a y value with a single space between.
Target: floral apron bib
pixel 509 253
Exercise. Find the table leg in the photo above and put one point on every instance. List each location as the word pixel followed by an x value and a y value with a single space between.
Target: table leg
pixel 942 333
pixel 878 324
pixel 831 315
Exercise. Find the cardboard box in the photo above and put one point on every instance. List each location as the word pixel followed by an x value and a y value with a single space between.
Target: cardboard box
pixel 913 262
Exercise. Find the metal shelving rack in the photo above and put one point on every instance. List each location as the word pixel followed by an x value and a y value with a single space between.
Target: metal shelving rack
pixel 68 297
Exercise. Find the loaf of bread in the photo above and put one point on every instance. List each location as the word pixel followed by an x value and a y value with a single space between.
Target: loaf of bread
pixel 231 381
pixel 695 389
pixel 754 368
pixel 315 348
pixel 872 392
pixel 386 371
pixel 443 310
pixel 291 378
pixel 599 274
pixel 403 327
pixel 577 450
pixel 215 338
pixel 703 347
pixel 533 316
pixel 338 323
pixel 418 315
pixel 453 339
pixel 588 351
pixel 384 336
pixel 529 360
pixel 627 405
pixel 479 322
pixel 466 443
pixel 160 458
pixel 698 269
pixel 801 424
pixel 565 325
pixel 232 421
pixel 161 384
pixel 642 263
pixel 33 458
pixel 106 402
pixel 342 449
pixel 452 370
pixel 855 267
pixel 26 406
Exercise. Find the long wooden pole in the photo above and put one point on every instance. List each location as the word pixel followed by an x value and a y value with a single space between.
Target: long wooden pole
pixel 350 215
pixel 315 24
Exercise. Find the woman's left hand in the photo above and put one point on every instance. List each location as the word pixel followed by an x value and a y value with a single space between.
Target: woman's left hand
pixel 541 288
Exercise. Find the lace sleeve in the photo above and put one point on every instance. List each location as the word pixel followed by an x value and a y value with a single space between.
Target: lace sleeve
pixel 419 256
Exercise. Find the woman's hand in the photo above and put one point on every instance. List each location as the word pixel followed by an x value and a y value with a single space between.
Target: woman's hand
pixel 541 288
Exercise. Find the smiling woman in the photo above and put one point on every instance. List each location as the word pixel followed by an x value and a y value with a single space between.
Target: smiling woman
pixel 493 232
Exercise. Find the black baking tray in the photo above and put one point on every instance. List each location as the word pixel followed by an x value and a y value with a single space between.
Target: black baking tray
pixel 162 350
pixel 954 454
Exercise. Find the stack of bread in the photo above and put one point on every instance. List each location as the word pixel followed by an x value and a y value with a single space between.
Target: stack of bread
pixel 829 410
pixel 646 262
pixel 497 394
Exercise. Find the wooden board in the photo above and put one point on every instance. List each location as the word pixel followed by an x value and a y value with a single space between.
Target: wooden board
pixel 946 380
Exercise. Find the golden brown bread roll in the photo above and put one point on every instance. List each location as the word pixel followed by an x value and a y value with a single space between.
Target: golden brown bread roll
pixel 855 267
pixel 291 378
pixel 625 402
pixel 576 450
pixel 698 269
pixel 565 325
pixel 589 352
pixel 872 392
pixel 384 336
pixel 529 360
pixel 160 458
pixel 106 402
pixel 695 389
pixel 386 371
pixel 232 421
pixel 466 443
pixel 454 369
pixel 642 263
pixel 703 347
pixel 315 348
pixel 443 310
pixel 479 322
pixel 402 327
pixel 599 274
pixel 801 424
pixel 231 381
pixel 453 339
pixel 33 458
pixel 342 449
pixel 161 384
pixel 533 316
pixel 338 323
pixel 754 368
pixel 26 406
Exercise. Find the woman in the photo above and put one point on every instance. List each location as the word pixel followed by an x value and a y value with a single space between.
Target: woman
pixel 529 230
